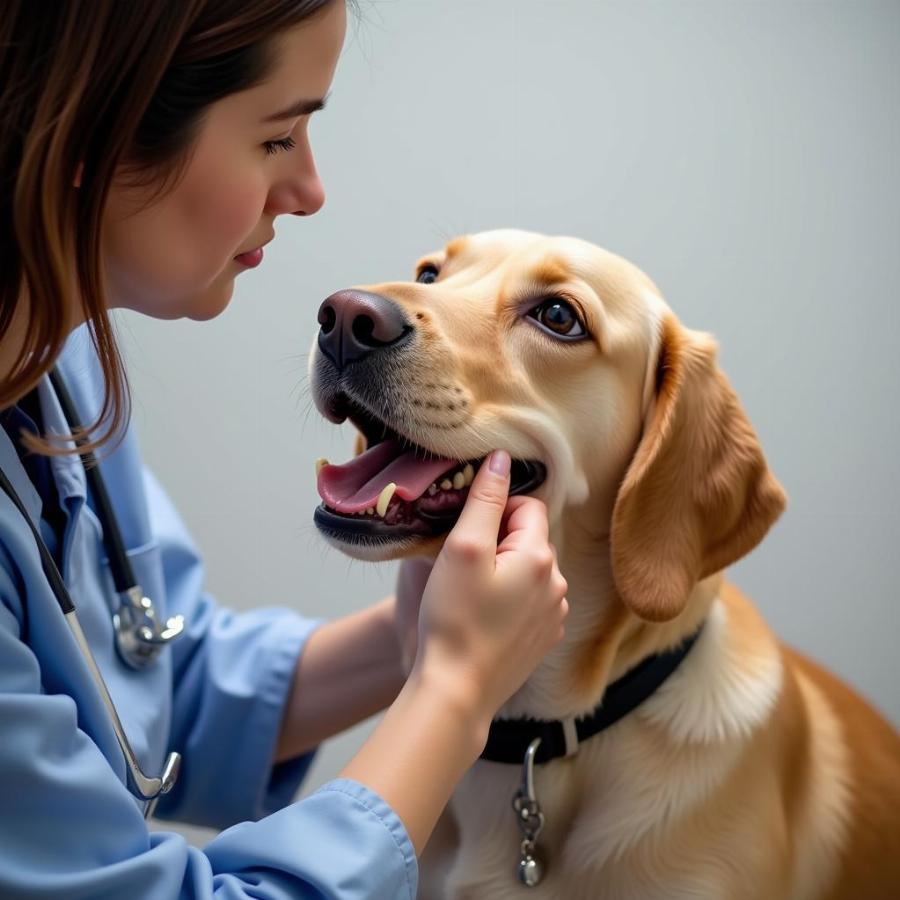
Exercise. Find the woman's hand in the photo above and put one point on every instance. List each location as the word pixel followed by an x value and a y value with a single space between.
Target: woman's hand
pixel 492 608
pixel 494 604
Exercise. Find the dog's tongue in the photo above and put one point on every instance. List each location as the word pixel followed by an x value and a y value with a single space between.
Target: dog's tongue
pixel 357 484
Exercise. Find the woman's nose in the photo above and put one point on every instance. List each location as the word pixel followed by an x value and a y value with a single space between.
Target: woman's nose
pixel 300 191
pixel 312 197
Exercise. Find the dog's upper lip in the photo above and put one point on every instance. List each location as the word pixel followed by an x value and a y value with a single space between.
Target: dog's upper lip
pixel 375 428
pixel 341 407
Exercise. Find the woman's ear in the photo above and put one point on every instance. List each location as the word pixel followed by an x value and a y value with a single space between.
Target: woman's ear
pixel 698 493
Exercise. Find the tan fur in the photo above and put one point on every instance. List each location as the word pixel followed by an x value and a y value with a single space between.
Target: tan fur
pixel 697 495
pixel 751 773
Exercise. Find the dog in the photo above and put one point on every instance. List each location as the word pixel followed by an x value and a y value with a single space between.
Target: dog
pixel 748 771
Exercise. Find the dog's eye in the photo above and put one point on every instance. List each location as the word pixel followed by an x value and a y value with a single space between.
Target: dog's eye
pixel 427 275
pixel 558 317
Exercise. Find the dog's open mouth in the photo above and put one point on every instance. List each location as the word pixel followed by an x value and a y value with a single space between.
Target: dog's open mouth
pixel 398 489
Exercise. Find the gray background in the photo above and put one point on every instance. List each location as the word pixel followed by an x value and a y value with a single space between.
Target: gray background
pixel 743 153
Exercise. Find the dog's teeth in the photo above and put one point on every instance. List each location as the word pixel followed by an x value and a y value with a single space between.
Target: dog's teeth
pixel 446 484
pixel 370 511
pixel 384 498
pixel 468 473
pixel 320 464
pixel 432 489
pixel 459 481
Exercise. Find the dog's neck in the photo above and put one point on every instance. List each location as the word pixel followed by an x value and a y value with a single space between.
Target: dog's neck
pixel 604 640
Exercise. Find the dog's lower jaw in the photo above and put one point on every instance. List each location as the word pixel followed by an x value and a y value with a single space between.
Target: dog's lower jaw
pixel 402 548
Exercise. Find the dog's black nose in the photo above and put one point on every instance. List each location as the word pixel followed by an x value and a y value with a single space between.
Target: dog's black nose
pixel 355 323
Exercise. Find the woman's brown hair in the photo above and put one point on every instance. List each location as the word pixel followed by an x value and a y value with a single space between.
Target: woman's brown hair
pixel 89 89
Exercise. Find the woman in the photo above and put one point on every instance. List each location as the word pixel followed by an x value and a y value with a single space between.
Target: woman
pixel 147 150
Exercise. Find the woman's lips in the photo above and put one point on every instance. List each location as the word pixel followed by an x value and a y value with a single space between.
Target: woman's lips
pixel 251 259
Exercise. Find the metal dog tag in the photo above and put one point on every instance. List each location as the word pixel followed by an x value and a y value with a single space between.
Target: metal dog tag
pixel 530 870
pixel 530 820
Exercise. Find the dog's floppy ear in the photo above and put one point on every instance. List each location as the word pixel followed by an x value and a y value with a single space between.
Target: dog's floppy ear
pixel 698 493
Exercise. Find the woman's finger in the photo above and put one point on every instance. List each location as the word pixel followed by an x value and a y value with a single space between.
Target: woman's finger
pixel 525 523
pixel 474 536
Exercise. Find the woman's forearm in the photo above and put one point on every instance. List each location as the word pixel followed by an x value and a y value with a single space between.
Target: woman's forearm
pixel 418 752
pixel 431 734
pixel 349 670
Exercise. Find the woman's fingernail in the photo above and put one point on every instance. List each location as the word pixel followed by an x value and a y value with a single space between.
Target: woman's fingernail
pixel 500 462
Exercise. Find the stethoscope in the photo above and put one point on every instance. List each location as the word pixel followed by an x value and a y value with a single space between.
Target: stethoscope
pixel 139 635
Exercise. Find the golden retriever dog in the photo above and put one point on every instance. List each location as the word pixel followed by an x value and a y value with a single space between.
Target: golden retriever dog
pixel 744 770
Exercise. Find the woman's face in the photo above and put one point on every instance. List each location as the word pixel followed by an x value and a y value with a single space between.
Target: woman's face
pixel 178 257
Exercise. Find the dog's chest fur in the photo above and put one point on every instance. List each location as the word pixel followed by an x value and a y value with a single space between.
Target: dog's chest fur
pixel 647 809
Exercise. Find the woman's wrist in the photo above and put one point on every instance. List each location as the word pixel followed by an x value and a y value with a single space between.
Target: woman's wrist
pixel 458 696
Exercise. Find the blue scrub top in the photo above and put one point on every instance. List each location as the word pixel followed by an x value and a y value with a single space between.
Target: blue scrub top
pixel 68 825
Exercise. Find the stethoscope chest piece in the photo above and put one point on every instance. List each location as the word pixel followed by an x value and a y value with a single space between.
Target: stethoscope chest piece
pixel 139 635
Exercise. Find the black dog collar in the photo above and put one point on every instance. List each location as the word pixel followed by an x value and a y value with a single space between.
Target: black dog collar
pixel 508 739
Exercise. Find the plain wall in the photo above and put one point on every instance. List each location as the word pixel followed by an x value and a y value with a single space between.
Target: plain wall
pixel 744 154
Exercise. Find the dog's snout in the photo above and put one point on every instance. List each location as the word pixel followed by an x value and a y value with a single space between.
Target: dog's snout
pixel 356 323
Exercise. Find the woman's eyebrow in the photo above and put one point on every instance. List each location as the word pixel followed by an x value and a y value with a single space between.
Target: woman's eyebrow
pixel 300 108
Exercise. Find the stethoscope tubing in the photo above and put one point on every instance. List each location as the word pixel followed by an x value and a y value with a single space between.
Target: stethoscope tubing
pixel 143 787
pixel 120 566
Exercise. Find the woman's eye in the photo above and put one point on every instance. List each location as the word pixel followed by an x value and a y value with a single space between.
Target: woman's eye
pixel 428 275
pixel 558 317
pixel 273 147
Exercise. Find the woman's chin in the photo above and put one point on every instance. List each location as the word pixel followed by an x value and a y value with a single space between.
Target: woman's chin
pixel 211 303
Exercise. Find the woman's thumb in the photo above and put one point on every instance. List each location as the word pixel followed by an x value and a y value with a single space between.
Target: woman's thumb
pixel 483 511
